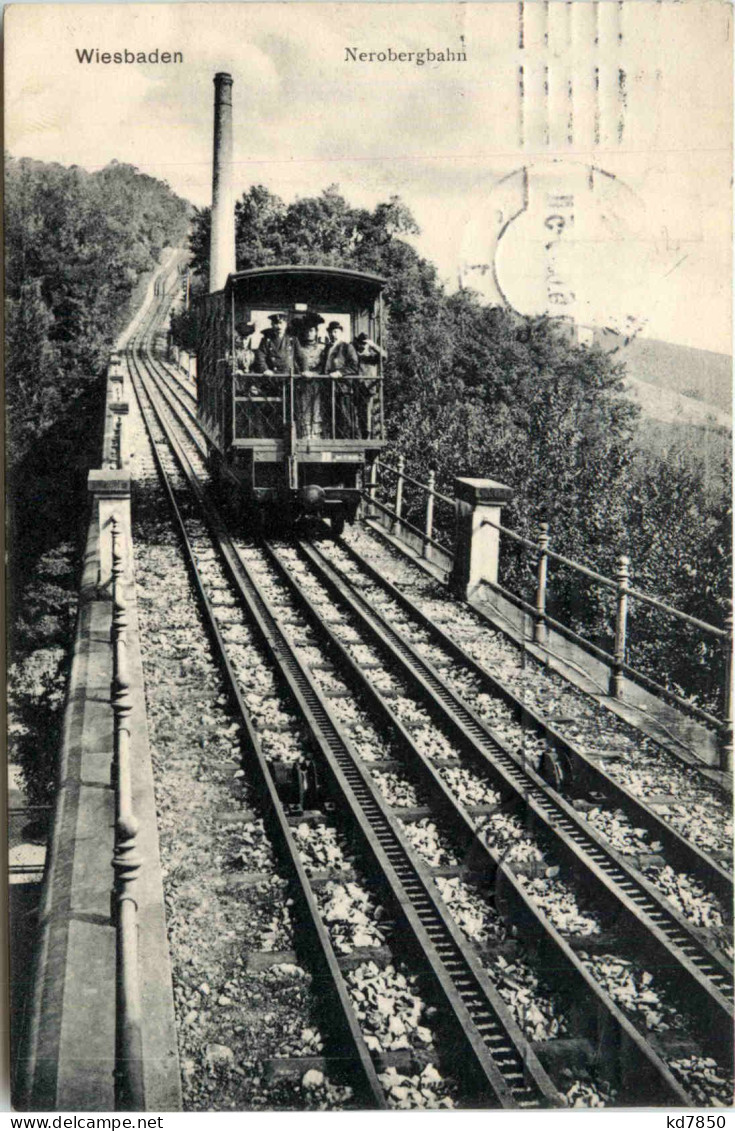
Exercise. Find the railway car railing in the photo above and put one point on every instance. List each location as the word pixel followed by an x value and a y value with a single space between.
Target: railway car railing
pixel 320 407
pixel 392 507
pixel 126 861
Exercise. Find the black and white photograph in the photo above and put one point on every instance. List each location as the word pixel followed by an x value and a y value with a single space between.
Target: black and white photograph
pixel 368 418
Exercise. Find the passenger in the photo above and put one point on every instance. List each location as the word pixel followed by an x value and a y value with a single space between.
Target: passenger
pixel 244 350
pixel 308 350
pixel 309 398
pixel 275 354
pixel 369 354
pixel 339 356
pixel 340 360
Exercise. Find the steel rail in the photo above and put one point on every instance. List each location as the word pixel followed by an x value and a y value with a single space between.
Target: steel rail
pixel 347 1039
pixel 647 917
pixel 500 1072
pixel 681 850
pixel 184 396
pixel 505 1057
pixel 686 855
pixel 153 362
pixel 173 371
pixel 721 972
pixel 595 1010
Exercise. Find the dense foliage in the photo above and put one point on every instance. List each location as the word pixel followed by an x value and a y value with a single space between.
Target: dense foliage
pixel 79 248
pixel 477 390
pixel 76 245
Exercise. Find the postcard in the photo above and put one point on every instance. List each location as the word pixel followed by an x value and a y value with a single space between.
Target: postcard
pixel 369 426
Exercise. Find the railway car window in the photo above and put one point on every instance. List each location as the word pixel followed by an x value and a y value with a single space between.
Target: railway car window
pixel 261 321
pixel 344 320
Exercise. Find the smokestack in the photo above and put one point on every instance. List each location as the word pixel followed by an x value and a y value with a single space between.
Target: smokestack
pixel 222 239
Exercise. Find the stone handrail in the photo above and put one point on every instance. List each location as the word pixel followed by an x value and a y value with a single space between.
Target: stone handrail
pixel 126 862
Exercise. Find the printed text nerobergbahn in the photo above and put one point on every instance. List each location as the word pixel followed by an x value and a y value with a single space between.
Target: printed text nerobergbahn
pixel 419 58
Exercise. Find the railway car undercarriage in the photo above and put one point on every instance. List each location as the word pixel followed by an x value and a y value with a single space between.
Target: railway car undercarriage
pixel 271 490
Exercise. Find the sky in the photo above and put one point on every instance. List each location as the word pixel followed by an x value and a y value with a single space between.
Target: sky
pixel 600 190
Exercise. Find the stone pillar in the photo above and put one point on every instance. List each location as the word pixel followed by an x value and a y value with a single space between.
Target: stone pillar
pixel 116 386
pixel 119 410
pixel 477 547
pixel 111 491
pixel 222 238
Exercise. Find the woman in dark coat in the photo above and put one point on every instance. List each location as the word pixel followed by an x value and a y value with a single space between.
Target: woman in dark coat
pixel 309 396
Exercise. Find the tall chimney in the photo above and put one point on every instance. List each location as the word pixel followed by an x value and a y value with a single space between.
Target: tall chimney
pixel 222 239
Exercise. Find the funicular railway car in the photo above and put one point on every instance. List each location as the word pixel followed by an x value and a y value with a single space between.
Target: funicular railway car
pixel 294 444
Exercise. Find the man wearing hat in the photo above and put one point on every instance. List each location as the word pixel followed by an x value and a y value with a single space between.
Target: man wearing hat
pixel 275 354
pixel 369 354
pixel 340 360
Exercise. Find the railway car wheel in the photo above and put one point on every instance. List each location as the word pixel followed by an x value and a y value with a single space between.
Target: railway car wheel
pixel 337 523
pixel 556 769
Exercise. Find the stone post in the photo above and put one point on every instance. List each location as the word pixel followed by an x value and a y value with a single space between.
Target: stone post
pixel 110 488
pixel 542 573
pixel 477 543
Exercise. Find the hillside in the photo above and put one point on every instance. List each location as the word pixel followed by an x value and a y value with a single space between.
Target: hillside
pixel 668 407
pixel 697 375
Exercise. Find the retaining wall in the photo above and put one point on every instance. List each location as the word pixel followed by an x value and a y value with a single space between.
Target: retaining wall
pixel 68 1055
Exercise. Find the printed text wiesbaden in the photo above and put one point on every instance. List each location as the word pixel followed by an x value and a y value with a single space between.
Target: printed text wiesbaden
pixel 94 55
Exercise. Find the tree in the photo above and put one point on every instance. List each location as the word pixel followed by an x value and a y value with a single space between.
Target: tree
pixel 77 247
pixel 77 244
pixel 34 395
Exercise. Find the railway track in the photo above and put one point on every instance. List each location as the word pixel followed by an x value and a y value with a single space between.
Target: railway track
pixel 564 763
pixel 516 772
pixel 497 1065
pixel 492 1058
pixel 585 869
pixel 666 790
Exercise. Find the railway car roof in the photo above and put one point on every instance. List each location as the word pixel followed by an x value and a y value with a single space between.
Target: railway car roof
pixel 335 278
